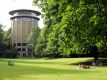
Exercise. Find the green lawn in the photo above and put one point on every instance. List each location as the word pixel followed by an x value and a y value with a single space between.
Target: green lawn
pixel 49 69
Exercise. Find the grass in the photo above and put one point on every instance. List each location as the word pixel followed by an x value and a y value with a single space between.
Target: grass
pixel 50 69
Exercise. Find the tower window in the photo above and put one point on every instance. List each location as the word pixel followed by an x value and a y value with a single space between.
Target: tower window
pixel 18 44
pixel 19 49
pixel 23 49
pixel 24 44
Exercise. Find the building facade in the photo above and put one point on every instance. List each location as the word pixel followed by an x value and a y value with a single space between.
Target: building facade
pixel 22 22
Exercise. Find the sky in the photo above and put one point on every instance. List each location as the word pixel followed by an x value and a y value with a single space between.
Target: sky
pixel 9 5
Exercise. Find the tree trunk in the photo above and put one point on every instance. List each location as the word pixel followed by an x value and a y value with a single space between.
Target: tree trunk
pixel 96 58
pixel 95 53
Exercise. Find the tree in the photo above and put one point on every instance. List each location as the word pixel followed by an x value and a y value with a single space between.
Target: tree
pixel 7 48
pixel 41 43
pixel 7 37
pixel 75 26
pixel 1 39
pixel 32 38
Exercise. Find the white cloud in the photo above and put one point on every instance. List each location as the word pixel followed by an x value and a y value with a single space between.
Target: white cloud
pixel 8 5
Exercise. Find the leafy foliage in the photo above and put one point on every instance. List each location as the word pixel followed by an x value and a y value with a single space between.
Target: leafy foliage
pixel 32 38
pixel 6 49
pixel 73 26
pixel 41 44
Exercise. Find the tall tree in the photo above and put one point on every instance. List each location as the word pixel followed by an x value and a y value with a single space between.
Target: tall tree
pixel 32 38
pixel 7 48
pixel 41 44
pixel 7 37
pixel 75 26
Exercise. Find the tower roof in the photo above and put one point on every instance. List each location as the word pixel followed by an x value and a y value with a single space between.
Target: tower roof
pixel 24 10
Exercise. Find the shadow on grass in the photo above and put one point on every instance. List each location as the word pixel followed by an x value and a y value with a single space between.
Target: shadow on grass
pixel 90 61
pixel 20 70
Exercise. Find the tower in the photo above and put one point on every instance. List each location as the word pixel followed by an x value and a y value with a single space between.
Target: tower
pixel 22 21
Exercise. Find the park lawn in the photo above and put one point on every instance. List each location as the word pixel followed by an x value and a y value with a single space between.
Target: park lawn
pixel 49 69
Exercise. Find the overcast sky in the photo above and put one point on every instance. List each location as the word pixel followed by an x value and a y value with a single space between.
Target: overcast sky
pixel 8 5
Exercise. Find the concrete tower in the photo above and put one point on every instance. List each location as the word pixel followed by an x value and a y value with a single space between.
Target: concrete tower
pixel 22 21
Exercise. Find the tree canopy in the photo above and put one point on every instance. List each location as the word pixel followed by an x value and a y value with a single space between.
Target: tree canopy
pixel 73 26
